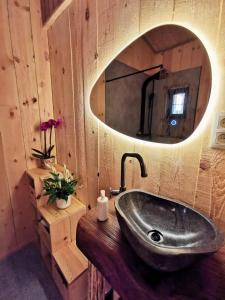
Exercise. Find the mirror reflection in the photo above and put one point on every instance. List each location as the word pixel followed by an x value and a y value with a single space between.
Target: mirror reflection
pixel 158 88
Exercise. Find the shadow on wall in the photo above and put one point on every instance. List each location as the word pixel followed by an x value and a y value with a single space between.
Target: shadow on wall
pixel 23 212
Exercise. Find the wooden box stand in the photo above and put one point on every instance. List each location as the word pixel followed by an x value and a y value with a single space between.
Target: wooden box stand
pixel 57 234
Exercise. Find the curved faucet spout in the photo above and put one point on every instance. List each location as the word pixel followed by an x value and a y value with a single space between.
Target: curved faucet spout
pixel 142 166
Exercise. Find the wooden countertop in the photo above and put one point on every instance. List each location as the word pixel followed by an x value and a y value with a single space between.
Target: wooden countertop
pixel 105 246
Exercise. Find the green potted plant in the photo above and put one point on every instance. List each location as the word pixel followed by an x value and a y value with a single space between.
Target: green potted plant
pixel 45 156
pixel 59 187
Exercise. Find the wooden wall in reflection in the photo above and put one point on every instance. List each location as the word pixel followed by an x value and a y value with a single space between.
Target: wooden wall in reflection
pixel 48 7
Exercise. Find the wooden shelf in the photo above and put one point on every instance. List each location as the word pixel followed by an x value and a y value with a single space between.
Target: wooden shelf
pixel 36 177
pixel 62 223
pixel 57 233
pixel 39 172
pixel 71 280
pixel 53 215
pixel 71 262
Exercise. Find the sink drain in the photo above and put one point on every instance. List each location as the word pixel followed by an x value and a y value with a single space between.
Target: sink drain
pixel 155 236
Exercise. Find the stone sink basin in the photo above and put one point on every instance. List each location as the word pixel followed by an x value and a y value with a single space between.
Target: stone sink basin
pixel 167 234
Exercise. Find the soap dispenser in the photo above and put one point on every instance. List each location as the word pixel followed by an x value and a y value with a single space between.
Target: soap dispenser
pixel 102 207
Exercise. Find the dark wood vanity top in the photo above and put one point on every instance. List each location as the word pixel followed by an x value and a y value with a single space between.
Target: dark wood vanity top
pixel 107 249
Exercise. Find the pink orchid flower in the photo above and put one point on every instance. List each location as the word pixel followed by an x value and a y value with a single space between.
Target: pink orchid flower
pixel 51 123
pixel 55 123
pixel 58 122
pixel 44 126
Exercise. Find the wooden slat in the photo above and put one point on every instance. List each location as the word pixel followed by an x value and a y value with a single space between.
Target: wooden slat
pixel 111 39
pixel 106 161
pixel 97 98
pixel 24 77
pixel 23 55
pixel 90 58
pixel 62 91
pixel 153 13
pixel 16 166
pixel 42 65
pixel 11 126
pixel 195 12
pixel 75 12
pixel 96 283
pixel 29 114
pixel 7 229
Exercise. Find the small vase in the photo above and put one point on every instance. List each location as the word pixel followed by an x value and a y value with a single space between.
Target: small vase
pixel 47 163
pixel 62 204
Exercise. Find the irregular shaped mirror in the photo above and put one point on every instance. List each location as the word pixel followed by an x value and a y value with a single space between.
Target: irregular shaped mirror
pixel 158 88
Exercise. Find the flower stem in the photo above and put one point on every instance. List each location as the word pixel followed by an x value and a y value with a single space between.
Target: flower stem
pixel 50 137
pixel 45 142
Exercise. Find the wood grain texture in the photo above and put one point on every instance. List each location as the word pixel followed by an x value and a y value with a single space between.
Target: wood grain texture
pixel 106 248
pixel 7 228
pixel 71 261
pixel 25 100
pixel 191 172
pixel 62 223
pixel 96 283
pixel 90 59
pixel 62 90
pixel 42 63
pixel 76 35
pixel 23 55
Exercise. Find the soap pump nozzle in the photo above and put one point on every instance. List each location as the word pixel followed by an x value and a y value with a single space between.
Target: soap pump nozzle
pixel 102 206
pixel 102 193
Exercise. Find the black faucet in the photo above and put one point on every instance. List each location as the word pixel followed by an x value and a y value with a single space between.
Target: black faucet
pixel 122 179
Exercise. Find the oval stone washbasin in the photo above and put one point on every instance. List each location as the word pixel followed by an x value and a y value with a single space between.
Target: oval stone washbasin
pixel 167 234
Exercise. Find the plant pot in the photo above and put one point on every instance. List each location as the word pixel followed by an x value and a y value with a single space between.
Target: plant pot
pixel 62 204
pixel 47 163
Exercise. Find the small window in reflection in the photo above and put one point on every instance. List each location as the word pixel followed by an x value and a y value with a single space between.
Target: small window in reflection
pixel 178 102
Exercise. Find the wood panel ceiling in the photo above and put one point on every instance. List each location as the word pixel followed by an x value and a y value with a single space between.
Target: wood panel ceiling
pixel 167 37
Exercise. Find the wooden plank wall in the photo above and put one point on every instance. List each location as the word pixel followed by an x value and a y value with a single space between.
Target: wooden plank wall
pixel 192 172
pixel 25 100
pixel 93 33
pixel 67 89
